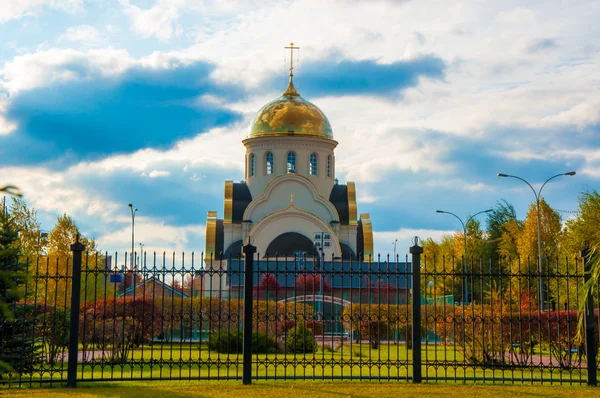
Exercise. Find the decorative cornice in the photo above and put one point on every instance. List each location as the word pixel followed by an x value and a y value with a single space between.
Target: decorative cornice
pixel 284 140
pixel 290 176
pixel 291 208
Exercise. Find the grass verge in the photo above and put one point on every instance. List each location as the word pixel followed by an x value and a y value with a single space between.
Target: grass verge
pixel 300 389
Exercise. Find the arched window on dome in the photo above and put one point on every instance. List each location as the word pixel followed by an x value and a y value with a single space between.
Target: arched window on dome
pixel 269 163
pixel 252 169
pixel 329 166
pixel 312 166
pixel 291 162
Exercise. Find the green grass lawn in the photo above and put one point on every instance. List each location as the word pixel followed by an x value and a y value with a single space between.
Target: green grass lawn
pixel 300 389
pixel 194 361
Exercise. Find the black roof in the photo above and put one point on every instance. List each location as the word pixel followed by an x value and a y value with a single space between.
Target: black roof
pixel 339 199
pixel 241 200
pixel 234 250
pixel 341 274
pixel 347 251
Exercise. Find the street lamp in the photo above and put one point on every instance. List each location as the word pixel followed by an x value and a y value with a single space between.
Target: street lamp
pixel 11 190
pixel 141 253
pixel 394 243
pixel 133 211
pixel 464 225
pixel 430 284
pixel 321 239
pixel 539 241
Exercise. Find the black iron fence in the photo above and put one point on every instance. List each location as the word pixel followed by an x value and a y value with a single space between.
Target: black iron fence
pixel 299 317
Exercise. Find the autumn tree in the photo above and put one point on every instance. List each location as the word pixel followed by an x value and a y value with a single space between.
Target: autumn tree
pixel 58 265
pixel 550 233
pixel 579 232
pixel 193 284
pixel 583 229
pixel 497 221
pixel 31 240
pixel 176 285
pixel 443 257
pixel 268 285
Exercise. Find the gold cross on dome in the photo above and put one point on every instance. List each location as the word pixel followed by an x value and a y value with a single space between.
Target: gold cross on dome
pixel 291 47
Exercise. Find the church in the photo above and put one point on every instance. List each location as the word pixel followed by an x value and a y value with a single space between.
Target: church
pixel 290 201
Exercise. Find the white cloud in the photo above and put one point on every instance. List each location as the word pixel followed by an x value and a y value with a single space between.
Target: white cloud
pixel 83 33
pixel 157 237
pixel 383 241
pixel 15 9
pixel 6 126
pixel 44 68
pixel 159 21
pixel 490 81
pixel 159 173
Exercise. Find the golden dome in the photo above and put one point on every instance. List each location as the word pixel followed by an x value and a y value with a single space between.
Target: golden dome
pixel 290 114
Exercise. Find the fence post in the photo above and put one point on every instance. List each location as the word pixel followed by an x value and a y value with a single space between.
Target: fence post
pixel 77 249
pixel 416 252
pixel 589 320
pixel 249 251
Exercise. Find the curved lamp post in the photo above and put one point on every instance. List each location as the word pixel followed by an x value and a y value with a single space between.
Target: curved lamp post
pixel 133 211
pixel 539 241
pixel 466 288
pixel 11 190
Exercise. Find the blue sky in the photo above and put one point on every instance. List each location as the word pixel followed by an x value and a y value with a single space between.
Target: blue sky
pixel 108 102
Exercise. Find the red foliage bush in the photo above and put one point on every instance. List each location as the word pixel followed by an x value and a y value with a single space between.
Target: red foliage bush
pixel 308 284
pixel 119 324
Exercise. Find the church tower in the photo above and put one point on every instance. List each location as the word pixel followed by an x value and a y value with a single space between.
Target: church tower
pixel 290 201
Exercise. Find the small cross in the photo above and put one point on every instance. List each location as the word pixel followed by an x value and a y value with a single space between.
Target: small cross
pixel 291 47
pixel 291 198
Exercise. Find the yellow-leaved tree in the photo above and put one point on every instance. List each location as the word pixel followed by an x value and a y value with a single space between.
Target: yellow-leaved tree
pixel 56 268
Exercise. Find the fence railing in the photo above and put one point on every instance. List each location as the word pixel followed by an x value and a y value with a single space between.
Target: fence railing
pixel 259 316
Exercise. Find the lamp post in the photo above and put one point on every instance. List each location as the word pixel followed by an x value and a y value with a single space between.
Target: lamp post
pixel 394 243
pixel 430 284
pixel 133 211
pixel 320 239
pixel 141 253
pixel 464 225
pixel 539 241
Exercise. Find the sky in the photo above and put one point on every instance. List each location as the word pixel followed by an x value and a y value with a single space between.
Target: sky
pixel 110 102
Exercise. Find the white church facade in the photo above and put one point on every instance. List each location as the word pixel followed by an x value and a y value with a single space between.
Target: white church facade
pixel 290 201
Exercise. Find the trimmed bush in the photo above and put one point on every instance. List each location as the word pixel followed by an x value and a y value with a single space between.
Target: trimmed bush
pixel 226 342
pixel 263 343
pixel 301 340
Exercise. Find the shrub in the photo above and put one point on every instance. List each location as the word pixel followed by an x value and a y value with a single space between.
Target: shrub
pixel 20 351
pixel 226 342
pixel 120 324
pixel 232 342
pixel 263 343
pixel 301 340
pixel 53 326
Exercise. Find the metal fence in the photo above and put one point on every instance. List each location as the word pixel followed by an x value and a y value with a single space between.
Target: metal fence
pixel 299 317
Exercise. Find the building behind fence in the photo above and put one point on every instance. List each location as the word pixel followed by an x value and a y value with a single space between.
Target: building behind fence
pixel 294 317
